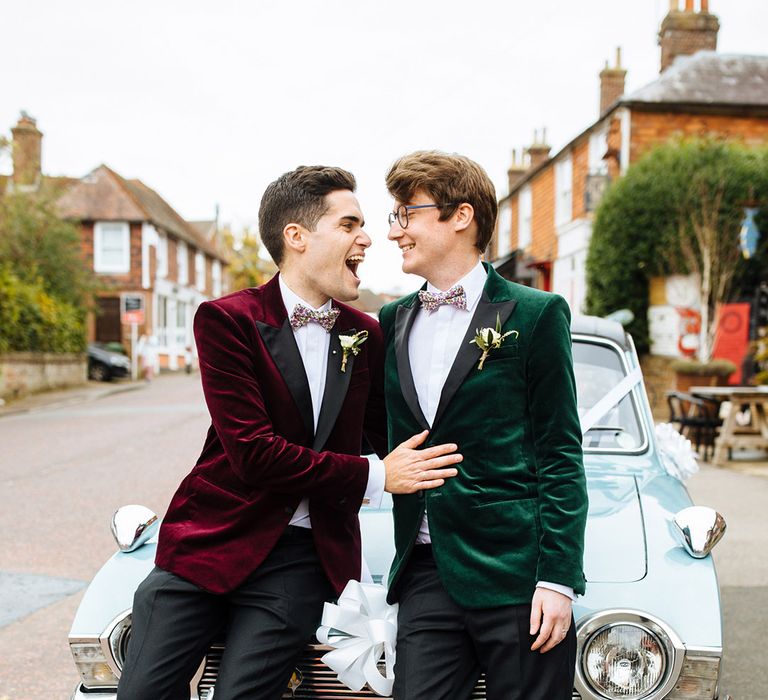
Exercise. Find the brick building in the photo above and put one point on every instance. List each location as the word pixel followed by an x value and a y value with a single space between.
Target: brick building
pixel 135 243
pixel 545 221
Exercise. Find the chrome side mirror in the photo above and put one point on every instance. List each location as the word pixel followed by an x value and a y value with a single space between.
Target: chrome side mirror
pixel 699 529
pixel 132 526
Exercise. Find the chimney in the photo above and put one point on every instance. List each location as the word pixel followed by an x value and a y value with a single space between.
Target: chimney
pixel 516 171
pixel 538 150
pixel 611 83
pixel 684 32
pixel 27 149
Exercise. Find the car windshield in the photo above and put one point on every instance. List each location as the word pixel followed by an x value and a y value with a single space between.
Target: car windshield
pixel 598 369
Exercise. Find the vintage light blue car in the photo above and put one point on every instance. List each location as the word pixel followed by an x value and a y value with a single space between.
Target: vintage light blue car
pixel 649 626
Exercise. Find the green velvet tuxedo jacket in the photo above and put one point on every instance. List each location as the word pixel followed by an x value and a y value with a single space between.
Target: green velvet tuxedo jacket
pixel 516 512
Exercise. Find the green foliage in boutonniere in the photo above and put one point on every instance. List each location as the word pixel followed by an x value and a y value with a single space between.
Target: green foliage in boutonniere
pixel 351 344
pixel 488 339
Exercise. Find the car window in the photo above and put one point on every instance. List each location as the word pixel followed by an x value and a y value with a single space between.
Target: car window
pixel 599 368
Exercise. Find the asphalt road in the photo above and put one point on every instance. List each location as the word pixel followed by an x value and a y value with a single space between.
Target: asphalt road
pixel 64 471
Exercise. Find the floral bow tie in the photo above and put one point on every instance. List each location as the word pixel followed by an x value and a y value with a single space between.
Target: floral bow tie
pixel 301 316
pixel 455 296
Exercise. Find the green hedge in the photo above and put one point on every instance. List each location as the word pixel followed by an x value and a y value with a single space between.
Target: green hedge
pixel 32 320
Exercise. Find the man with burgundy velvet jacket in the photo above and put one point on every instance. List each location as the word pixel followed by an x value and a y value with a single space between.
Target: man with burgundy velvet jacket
pixel 265 527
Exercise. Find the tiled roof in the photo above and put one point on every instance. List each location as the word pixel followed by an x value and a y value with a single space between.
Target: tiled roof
pixel 205 228
pixel 100 195
pixel 48 185
pixel 104 195
pixel 709 78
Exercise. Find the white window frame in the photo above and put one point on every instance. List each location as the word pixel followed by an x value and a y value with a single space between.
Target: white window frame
pixel 564 190
pixel 182 262
pixel 526 216
pixel 200 271
pixel 216 278
pixel 504 235
pixel 100 265
pixel 162 255
pixel 598 145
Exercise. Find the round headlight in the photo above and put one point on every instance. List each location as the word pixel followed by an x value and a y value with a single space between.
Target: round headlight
pixel 118 640
pixel 625 661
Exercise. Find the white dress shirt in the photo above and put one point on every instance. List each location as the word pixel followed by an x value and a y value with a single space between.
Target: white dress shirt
pixel 313 342
pixel 433 344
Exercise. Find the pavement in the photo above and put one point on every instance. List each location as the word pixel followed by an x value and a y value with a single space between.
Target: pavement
pixel 84 393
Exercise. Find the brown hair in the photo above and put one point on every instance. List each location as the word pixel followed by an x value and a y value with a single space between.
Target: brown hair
pixel 298 197
pixel 447 178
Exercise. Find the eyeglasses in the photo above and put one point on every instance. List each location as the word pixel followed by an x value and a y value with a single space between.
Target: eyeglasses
pixel 401 213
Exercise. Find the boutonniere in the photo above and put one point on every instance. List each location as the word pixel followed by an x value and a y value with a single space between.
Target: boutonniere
pixel 351 344
pixel 488 339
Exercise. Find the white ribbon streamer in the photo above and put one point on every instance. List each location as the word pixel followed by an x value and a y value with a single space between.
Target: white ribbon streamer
pixel 676 452
pixel 362 628
pixel 612 398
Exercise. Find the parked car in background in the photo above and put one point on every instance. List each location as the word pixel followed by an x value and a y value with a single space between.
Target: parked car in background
pixel 649 626
pixel 105 363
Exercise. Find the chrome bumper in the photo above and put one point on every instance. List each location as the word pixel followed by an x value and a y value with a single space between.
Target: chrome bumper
pixel 80 695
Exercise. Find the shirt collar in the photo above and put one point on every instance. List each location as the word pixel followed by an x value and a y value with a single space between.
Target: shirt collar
pixel 291 299
pixel 473 283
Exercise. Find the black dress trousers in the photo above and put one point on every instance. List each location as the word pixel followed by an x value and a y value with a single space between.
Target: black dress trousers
pixel 443 648
pixel 265 623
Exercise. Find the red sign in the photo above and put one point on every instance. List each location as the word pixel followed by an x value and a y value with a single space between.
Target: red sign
pixel 732 336
pixel 132 308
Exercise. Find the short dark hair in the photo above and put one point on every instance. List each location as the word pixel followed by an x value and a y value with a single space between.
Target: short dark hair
pixel 447 177
pixel 298 197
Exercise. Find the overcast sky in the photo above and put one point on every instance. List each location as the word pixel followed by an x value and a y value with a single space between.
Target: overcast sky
pixel 207 102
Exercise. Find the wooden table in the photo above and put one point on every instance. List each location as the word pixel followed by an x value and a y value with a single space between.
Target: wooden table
pixel 732 435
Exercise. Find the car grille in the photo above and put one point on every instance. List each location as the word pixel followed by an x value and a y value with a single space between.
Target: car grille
pixel 318 681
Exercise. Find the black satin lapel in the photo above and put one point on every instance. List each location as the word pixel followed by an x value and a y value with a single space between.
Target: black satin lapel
pixel 336 385
pixel 469 354
pixel 403 322
pixel 281 345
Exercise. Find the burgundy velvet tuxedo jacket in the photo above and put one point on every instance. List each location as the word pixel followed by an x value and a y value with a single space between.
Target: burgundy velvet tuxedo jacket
pixel 262 454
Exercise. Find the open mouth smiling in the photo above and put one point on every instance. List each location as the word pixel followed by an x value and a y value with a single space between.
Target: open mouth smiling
pixel 353 261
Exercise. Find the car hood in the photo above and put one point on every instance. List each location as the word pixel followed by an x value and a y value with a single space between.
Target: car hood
pixel 614 550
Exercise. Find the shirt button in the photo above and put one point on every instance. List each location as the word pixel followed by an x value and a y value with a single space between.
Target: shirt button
pixel 288 510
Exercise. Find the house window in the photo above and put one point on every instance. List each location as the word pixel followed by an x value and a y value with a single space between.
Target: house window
pixel 598 146
pixel 181 315
pixel 182 262
pixel 162 256
pixel 111 247
pixel 525 217
pixel 200 271
pixel 504 242
pixel 216 278
pixel 564 191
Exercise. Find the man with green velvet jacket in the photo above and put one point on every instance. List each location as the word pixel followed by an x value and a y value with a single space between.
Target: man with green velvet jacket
pixel 487 565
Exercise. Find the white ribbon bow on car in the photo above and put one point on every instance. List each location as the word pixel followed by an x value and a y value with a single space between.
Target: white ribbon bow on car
pixel 676 452
pixel 362 628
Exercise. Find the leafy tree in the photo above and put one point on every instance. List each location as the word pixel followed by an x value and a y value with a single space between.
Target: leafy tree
pixel 248 268
pixel 45 286
pixel 38 244
pixel 33 320
pixel 677 210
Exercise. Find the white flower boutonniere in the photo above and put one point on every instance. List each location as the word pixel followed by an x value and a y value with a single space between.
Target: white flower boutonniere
pixel 351 344
pixel 488 339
